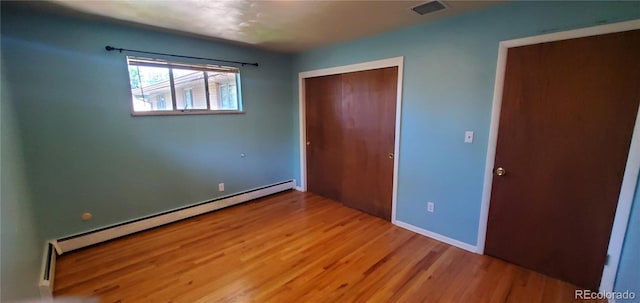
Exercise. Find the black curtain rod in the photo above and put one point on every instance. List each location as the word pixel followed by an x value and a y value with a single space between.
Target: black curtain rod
pixel 111 48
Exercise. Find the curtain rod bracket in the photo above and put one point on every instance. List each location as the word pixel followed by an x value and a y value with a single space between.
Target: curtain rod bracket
pixel 111 48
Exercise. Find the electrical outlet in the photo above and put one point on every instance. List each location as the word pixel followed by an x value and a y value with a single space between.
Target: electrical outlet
pixel 430 207
pixel 468 136
pixel 221 187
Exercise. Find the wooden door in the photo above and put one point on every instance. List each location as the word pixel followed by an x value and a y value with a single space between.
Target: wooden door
pixel 323 112
pixel 350 130
pixel 368 122
pixel 568 112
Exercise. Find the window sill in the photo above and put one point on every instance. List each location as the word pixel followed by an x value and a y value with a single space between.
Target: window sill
pixel 186 113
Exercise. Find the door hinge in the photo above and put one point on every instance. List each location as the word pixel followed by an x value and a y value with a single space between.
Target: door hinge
pixel 606 260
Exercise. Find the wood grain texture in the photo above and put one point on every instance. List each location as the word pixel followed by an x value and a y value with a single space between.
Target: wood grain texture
pixel 567 117
pixel 350 125
pixel 325 135
pixel 294 247
pixel 369 124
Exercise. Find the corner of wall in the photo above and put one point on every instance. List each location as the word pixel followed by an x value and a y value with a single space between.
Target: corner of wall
pixel 20 256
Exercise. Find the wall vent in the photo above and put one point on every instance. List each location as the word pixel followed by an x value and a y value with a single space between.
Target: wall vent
pixel 429 7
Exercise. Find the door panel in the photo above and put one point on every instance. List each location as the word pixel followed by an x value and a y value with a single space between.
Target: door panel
pixel 567 117
pixel 369 115
pixel 324 135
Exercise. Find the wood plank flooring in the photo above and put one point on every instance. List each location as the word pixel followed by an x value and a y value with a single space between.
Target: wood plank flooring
pixel 294 247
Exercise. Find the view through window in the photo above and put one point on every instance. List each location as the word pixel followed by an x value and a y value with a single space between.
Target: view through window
pixel 159 86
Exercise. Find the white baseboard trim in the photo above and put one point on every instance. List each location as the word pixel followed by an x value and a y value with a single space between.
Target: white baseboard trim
pixel 436 236
pixel 47 272
pixel 126 228
pixel 298 188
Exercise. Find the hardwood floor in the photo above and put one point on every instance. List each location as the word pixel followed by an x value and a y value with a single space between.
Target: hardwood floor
pixel 294 247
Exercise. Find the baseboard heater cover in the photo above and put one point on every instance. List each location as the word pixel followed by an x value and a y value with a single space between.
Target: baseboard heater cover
pixel 47 272
pixel 71 243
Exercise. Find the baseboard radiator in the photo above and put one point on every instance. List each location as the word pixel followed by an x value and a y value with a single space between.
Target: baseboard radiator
pixel 67 244
pixel 47 272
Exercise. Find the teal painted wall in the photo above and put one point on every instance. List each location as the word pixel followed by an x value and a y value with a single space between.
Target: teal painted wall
pixel 86 153
pixel 449 73
pixel 21 250
pixel 73 146
pixel 629 269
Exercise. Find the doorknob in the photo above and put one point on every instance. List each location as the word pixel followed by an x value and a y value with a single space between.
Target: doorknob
pixel 308 142
pixel 390 155
pixel 500 171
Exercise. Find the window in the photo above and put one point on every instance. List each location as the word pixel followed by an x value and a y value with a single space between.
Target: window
pixel 188 98
pixel 225 91
pixel 164 87
pixel 161 103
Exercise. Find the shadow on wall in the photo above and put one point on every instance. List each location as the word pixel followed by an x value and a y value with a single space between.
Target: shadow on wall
pixel 87 153
pixel 20 257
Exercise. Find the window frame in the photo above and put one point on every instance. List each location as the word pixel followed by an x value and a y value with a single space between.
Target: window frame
pixel 204 68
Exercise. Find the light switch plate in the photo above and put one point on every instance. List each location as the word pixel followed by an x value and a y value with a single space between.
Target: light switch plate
pixel 468 137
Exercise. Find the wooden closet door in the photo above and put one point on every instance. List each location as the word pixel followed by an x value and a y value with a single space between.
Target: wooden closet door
pixel 350 129
pixel 568 113
pixel 323 114
pixel 368 125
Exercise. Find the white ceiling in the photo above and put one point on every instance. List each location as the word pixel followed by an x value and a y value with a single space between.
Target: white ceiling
pixel 285 25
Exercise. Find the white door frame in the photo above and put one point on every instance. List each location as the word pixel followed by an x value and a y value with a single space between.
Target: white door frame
pixel 390 62
pixel 633 162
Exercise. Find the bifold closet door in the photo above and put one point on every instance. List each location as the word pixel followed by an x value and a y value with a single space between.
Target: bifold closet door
pixel 368 124
pixel 350 123
pixel 323 115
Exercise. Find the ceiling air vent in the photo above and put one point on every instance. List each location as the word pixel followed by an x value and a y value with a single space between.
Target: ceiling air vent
pixel 429 7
